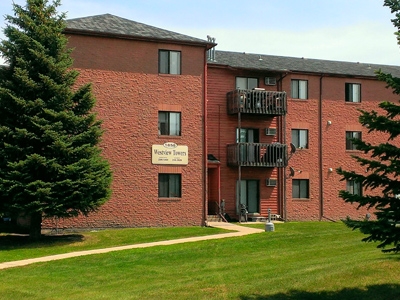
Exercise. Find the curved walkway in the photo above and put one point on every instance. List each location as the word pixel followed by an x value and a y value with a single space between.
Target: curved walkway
pixel 237 231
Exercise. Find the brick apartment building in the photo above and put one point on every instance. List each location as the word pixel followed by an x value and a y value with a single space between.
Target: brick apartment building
pixel 150 89
pixel 313 122
pixel 189 129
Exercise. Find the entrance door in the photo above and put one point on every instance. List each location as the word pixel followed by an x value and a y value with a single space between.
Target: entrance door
pixel 249 195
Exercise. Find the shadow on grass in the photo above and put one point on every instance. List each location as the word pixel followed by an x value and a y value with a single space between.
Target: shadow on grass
pixel 375 292
pixel 22 241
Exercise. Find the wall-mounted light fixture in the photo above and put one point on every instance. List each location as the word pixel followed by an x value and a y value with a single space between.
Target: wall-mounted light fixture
pixel 329 122
pixel 330 170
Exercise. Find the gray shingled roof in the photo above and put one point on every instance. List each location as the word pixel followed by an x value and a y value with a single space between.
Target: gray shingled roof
pixel 110 24
pixel 295 64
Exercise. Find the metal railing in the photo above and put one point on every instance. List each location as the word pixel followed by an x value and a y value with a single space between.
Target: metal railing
pixel 257 155
pixel 257 102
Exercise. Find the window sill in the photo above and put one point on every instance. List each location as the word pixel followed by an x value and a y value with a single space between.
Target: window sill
pixel 300 199
pixel 170 136
pixel 168 75
pixel 298 99
pixel 169 199
pixel 352 103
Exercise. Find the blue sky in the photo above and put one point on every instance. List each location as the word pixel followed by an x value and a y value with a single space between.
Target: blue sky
pixel 346 30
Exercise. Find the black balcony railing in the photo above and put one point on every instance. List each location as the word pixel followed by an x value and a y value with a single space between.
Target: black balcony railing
pixel 257 155
pixel 257 102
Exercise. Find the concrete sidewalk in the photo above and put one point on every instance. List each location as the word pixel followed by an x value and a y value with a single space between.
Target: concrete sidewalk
pixel 237 230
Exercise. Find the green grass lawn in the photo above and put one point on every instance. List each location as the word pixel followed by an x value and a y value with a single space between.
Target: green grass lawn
pixel 311 260
pixel 17 247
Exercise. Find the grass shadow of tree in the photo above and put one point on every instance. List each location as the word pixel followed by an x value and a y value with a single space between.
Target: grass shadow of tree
pixel 376 292
pixel 22 241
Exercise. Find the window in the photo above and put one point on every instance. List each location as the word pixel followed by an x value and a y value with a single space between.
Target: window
pixel 299 89
pixel 247 135
pixel 353 187
pixel 169 185
pixel 300 188
pixel 246 83
pixel 353 92
pixel 169 62
pixel 352 135
pixel 300 138
pixel 169 123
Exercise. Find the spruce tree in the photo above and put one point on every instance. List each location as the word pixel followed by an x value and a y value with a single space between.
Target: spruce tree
pixel 51 164
pixel 382 164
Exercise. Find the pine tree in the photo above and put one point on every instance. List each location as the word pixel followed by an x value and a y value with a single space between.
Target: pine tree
pixel 51 164
pixel 382 165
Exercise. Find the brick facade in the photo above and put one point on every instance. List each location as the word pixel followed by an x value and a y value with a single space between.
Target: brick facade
pixel 325 115
pixel 130 92
pixel 337 117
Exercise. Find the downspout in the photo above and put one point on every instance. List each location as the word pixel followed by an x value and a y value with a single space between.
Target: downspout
pixel 205 145
pixel 282 136
pixel 320 167
pixel 284 170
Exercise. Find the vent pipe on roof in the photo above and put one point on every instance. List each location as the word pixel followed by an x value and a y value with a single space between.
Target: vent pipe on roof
pixel 211 52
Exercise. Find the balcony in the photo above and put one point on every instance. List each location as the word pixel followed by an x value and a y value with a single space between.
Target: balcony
pixel 259 102
pixel 257 155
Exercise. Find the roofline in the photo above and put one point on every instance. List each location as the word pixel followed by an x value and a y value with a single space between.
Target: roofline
pixel 137 38
pixel 215 64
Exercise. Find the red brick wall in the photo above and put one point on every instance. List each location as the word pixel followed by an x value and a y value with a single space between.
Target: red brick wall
pixel 221 131
pixel 129 93
pixel 343 117
pixel 302 114
pixel 112 54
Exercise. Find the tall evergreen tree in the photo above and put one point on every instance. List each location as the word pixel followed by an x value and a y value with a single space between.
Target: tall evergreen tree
pixel 382 165
pixel 50 163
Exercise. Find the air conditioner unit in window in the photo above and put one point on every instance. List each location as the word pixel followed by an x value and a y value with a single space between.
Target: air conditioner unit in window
pixel 270 131
pixel 270 81
pixel 271 182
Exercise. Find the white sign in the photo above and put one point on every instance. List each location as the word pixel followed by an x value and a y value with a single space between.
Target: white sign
pixel 169 154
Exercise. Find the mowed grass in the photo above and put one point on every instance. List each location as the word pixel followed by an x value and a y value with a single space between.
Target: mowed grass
pixel 311 260
pixel 17 247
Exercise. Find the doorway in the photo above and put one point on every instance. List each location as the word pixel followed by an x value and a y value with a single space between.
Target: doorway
pixel 249 195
